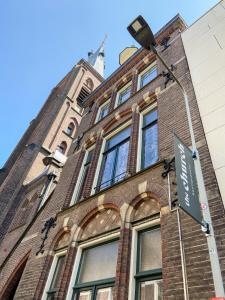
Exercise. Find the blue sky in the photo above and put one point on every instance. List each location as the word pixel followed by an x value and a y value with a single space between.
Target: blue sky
pixel 41 40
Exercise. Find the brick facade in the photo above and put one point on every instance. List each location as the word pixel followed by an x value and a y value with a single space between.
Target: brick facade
pixel 140 198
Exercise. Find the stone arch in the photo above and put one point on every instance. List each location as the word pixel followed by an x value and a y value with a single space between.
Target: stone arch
pixel 61 239
pixel 100 220
pixel 144 205
pixel 12 283
pixel 89 83
pixel 116 117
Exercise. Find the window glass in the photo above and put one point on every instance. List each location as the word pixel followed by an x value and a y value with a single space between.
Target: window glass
pixel 84 173
pixel 119 137
pixel 56 277
pixel 148 76
pixel 104 294
pixel 149 139
pixel 149 265
pixel 107 175
pixel 70 129
pixel 103 111
pixel 95 260
pixel 115 158
pixel 124 95
pixel 150 250
pixel 150 117
pixel 85 295
pixel 151 290
pixel 150 145
pixel 121 164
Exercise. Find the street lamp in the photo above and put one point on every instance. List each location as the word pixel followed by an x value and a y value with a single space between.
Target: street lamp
pixel 141 32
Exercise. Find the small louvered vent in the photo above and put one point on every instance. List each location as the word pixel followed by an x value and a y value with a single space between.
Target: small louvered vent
pixel 83 94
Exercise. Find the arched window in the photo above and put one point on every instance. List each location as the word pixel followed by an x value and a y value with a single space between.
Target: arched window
pixel 90 84
pixel 70 129
pixel 62 147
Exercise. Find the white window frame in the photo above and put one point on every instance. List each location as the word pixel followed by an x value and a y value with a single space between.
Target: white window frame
pixel 99 110
pixel 153 65
pixel 80 248
pixel 139 151
pixel 120 91
pixel 133 261
pixel 51 272
pixel 76 189
pixel 95 181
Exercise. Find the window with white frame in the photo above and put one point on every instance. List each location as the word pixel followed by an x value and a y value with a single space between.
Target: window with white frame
pixel 149 151
pixel 147 75
pixel 123 94
pixel 102 111
pixel 93 281
pixel 54 276
pixel 114 159
pixel 81 181
pixel 147 269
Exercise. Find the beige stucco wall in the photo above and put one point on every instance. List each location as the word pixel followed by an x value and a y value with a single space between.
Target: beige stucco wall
pixel 204 44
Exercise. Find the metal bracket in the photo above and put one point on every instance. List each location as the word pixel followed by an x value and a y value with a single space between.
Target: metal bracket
pixel 205 228
pixel 168 75
pixel 169 165
pixel 50 223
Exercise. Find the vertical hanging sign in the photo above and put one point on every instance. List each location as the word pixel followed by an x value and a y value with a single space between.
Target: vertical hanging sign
pixel 186 181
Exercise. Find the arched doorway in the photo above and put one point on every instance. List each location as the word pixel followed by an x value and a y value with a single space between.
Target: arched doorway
pixel 10 288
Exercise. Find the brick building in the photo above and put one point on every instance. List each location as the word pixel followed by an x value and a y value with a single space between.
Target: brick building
pixel 106 228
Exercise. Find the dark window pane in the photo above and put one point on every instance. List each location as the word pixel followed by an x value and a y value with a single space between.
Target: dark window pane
pixel 121 164
pixel 148 76
pixel 150 146
pixel 124 95
pixel 84 174
pixel 57 273
pixel 109 161
pixel 103 111
pixel 150 117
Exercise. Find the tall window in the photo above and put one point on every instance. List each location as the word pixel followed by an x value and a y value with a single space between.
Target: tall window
pixel 70 129
pixel 94 280
pixel 124 94
pixel 55 273
pixel 149 139
pixel 103 111
pixel 115 158
pixel 62 147
pixel 79 189
pixel 149 265
pixel 147 75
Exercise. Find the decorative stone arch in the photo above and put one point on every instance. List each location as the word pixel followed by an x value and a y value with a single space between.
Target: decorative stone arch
pixel 12 283
pixel 94 223
pixel 149 202
pixel 116 117
pixel 61 239
pixel 89 83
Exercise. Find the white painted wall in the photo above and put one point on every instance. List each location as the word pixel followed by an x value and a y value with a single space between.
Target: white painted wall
pixel 204 44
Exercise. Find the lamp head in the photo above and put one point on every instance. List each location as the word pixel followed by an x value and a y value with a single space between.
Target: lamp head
pixel 141 32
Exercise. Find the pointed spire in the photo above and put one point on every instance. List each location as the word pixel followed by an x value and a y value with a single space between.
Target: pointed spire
pixel 96 59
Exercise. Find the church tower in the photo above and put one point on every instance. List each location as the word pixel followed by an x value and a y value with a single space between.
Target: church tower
pixel 38 158
pixel 96 59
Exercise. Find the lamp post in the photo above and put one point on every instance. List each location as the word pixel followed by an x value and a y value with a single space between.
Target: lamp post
pixel 141 32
